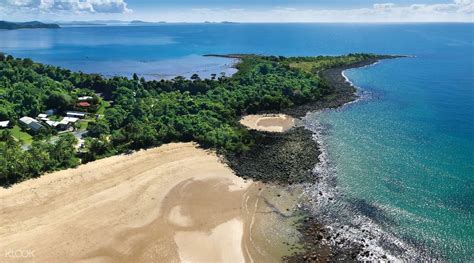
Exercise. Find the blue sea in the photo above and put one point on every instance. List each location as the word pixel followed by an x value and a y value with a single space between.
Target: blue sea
pixel 399 161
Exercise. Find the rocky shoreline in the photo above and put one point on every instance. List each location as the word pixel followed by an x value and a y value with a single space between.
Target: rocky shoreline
pixel 289 158
pixel 286 157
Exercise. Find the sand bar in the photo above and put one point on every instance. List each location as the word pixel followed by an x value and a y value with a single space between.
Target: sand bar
pixel 174 203
pixel 269 122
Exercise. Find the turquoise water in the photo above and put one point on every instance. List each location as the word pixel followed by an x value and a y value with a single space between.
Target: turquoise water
pixel 406 149
pixel 402 156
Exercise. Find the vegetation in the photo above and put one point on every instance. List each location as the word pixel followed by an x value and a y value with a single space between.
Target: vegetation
pixel 32 24
pixel 315 64
pixel 149 113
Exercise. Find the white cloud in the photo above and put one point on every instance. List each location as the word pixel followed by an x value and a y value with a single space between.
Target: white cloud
pixel 456 11
pixel 67 6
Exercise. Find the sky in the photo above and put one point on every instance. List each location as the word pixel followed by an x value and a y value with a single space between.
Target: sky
pixel 240 10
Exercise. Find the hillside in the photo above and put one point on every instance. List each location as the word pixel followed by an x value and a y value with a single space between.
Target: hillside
pixel 22 25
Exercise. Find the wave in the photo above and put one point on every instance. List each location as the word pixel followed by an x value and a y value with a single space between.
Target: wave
pixel 353 223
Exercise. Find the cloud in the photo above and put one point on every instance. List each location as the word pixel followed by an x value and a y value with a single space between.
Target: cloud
pixel 68 6
pixel 455 11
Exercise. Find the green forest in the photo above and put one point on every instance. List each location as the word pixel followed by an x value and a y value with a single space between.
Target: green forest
pixel 145 114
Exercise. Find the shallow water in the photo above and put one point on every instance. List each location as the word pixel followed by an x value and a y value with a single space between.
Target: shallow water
pixel 401 158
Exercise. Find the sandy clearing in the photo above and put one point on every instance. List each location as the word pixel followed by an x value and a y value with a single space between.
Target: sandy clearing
pixel 168 204
pixel 269 122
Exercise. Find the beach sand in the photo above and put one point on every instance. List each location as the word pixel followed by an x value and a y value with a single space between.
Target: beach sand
pixel 174 203
pixel 268 122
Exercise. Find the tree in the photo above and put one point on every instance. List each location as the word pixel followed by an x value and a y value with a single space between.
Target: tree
pixel 13 164
pixel 94 148
pixel 64 153
pixel 98 128
pixel 59 100
pixel 39 158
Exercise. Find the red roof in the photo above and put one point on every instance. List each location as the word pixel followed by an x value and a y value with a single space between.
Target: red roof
pixel 84 104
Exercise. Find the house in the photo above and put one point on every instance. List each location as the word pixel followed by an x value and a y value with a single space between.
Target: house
pixel 43 117
pixel 83 104
pixel 84 98
pixel 53 124
pixel 66 122
pixel 70 119
pixel 4 124
pixel 31 123
pixel 76 114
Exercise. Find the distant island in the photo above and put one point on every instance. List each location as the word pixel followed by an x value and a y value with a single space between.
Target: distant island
pixel 141 22
pixel 22 25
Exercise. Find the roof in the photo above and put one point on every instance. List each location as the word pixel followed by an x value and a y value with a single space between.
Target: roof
pixel 84 98
pixel 31 123
pixel 83 104
pixel 27 120
pixel 76 113
pixel 4 124
pixel 42 115
pixel 52 123
pixel 63 122
pixel 69 119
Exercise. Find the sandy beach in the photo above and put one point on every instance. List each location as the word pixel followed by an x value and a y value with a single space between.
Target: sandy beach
pixel 268 122
pixel 174 203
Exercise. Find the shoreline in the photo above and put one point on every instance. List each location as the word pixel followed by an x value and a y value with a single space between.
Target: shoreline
pixel 353 241
pixel 263 162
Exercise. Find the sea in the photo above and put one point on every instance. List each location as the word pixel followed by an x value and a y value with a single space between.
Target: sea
pixel 397 165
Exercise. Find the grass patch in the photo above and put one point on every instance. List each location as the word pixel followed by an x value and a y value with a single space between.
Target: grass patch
pixel 304 66
pixel 316 64
pixel 103 105
pixel 20 135
pixel 82 125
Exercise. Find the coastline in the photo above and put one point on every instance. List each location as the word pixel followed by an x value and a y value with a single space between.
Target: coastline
pixel 291 148
pixel 273 153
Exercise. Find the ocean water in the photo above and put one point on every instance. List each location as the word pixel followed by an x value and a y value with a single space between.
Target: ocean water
pixel 399 161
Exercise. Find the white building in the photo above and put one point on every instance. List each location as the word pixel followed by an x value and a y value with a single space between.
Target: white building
pixel 53 124
pixel 43 117
pixel 4 124
pixel 66 122
pixel 84 98
pixel 76 114
pixel 69 120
